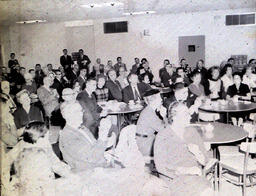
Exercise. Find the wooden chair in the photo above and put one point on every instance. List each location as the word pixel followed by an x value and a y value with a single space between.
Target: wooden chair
pixel 212 168
pixel 225 151
pixel 241 168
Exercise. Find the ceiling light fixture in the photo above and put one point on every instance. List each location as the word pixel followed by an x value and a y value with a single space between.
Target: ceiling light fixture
pixel 31 21
pixel 97 5
pixel 138 13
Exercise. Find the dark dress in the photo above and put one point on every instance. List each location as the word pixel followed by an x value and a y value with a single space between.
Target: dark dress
pixel 22 118
pixel 242 91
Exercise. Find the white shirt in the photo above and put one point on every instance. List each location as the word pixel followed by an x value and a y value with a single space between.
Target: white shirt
pixel 136 87
pixel 250 81
pixel 227 81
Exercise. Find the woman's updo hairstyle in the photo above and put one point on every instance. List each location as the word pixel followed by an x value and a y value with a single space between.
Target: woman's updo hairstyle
pixel 172 110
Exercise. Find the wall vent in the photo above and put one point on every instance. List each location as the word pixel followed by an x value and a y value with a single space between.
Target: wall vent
pixel 116 27
pixel 240 19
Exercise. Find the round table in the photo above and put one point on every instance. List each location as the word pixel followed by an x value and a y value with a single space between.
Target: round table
pixel 217 107
pixel 120 108
pixel 222 133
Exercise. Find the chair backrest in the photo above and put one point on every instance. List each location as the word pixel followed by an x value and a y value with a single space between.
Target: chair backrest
pixel 249 147
pixel 250 129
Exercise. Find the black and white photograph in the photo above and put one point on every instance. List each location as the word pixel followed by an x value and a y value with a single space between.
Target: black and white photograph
pixel 128 97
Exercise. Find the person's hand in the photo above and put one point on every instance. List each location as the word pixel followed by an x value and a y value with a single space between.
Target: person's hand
pixel 104 113
pixel 194 149
pixel 170 81
pixel 111 140
pixel 163 111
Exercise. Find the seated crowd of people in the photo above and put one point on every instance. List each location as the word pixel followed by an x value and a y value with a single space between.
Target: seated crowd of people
pixel 92 157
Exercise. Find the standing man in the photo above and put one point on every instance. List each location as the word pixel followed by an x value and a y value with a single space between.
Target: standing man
pixel 83 61
pixel 66 61
pixel 12 62
pixel 119 64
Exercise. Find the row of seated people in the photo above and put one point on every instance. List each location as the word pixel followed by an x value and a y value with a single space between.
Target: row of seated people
pixel 90 168
pixel 213 83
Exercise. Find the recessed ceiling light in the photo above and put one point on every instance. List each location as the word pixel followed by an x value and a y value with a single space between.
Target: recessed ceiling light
pixel 138 13
pixel 31 21
pixel 97 5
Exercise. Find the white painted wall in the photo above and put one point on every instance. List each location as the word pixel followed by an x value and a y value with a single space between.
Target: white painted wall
pixel 220 41
pixel 43 43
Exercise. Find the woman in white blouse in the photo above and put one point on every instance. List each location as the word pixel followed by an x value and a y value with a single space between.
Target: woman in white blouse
pixel 249 78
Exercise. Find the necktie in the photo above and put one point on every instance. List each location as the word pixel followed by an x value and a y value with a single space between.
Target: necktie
pixel 136 95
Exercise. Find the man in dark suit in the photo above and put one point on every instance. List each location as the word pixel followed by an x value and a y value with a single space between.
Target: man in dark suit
pixel 92 111
pixel 58 84
pixel 66 61
pixel 83 61
pixel 39 75
pixel 73 74
pixel 114 87
pixel 135 91
pixel 82 79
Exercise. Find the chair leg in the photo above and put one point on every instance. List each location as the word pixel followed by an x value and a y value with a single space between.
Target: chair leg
pixel 244 185
pixel 220 177
pixel 216 177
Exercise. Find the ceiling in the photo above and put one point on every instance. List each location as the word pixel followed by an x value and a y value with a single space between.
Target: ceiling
pixel 12 11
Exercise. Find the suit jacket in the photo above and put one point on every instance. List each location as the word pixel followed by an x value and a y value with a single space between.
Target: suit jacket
pixel 114 89
pixel 66 62
pixel 80 150
pixel 58 85
pixel 81 82
pixel 71 76
pixel 81 65
pixel 128 93
pixel 91 111
pixel 22 118
pixel 165 77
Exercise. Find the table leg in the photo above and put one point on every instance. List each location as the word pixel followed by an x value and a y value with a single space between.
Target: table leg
pixel 227 118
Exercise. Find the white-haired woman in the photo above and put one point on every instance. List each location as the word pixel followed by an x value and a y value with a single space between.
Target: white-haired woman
pixel 180 154
pixel 26 111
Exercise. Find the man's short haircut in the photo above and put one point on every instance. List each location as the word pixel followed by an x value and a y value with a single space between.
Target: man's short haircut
pixel 64 49
pixel 251 60
pixel 111 71
pixel 195 73
pixel 80 50
pixel 118 58
pixel 30 70
pixel 199 61
pixel 231 59
pixel 144 59
pixel 49 64
pixel 179 68
pixel 100 76
pixel 130 75
pixel 167 60
pixel 22 68
pixel 182 59
pixel 12 54
pixel 178 86
pixel 237 74
pixel 38 65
